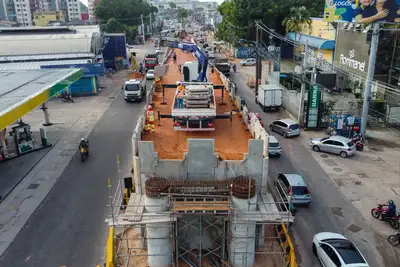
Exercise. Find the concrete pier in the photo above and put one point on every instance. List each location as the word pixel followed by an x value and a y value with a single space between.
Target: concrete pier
pixel 158 234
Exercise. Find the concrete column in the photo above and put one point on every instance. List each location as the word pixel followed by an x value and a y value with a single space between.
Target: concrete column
pixel 242 246
pixel 3 134
pixel 158 234
pixel 136 175
pixel 46 115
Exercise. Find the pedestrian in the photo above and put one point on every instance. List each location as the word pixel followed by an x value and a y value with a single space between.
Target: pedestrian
pixel 219 50
pixel 212 69
pixel 234 67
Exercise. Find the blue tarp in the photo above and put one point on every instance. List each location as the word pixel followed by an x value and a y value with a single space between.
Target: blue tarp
pixel 313 41
pixel 89 70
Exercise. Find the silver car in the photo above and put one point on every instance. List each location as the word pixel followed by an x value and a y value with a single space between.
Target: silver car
pixel 285 127
pixel 274 148
pixel 339 145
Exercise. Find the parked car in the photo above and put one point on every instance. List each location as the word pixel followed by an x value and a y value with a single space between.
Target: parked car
pixel 293 188
pixel 339 145
pixel 248 62
pixel 274 148
pixel 150 75
pixel 285 127
pixel 334 250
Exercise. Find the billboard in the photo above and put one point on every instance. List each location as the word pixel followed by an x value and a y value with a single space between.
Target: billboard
pixel 362 11
pixel 352 52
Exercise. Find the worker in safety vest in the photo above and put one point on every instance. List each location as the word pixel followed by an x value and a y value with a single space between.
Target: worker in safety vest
pixel 181 88
pixel 150 119
pixel 179 99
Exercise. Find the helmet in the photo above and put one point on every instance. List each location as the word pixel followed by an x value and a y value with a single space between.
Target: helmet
pixel 178 83
pixel 149 107
pixel 390 201
pixel 82 139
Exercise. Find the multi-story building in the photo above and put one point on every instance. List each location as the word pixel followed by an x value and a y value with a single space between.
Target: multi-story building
pixel 48 17
pixel 187 4
pixel 91 6
pixel 21 11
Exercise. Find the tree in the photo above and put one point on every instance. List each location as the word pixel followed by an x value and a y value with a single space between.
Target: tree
pixel 182 13
pixel 299 17
pixel 239 15
pixel 172 5
pixel 120 16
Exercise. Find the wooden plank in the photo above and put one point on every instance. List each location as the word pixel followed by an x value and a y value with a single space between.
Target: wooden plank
pixel 200 202
pixel 139 211
pixel 199 207
pixel 263 210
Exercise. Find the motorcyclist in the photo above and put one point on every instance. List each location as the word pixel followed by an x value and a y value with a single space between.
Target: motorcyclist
pixel 390 211
pixel 84 144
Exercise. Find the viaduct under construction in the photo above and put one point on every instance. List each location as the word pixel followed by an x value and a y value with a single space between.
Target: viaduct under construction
pixel 229 219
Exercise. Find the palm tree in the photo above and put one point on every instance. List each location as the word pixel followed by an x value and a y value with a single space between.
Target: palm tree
pixel 298 18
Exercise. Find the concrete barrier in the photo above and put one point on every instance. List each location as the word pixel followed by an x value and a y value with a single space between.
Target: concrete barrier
pixel 287 246
pixel 110 249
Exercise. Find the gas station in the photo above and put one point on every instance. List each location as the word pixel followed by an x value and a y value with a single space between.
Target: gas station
pixel 23 91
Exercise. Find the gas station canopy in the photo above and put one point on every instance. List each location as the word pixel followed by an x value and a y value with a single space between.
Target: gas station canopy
pixel 24 90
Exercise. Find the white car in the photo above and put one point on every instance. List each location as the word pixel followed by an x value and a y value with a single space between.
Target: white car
pixel 248 62
pixel 150 75
pixel 159 50
pixel 335 250
pixel 218 43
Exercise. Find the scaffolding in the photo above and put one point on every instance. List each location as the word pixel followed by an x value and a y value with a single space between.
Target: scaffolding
pixel 201 223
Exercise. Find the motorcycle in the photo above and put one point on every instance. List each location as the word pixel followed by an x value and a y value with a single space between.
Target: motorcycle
pixel 393 221
pixel 357 139
pixel 84 152
pixel 394 240
pixel 66 97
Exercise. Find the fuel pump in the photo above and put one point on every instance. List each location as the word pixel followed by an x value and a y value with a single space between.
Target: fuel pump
pixel 23 139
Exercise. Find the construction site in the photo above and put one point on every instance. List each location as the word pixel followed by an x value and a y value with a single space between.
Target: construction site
pixel 201 198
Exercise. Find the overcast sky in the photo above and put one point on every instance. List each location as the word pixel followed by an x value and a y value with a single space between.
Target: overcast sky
pixel 219 1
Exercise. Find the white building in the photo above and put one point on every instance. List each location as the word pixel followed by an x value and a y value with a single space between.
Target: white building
pixel 73 10
pixel 187 4
pixel 23 13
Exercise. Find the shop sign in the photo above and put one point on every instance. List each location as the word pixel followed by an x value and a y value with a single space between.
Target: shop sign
pixel 314 98
pixel 351 62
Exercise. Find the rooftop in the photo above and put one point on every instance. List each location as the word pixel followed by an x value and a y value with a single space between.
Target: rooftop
pixel 35 65
pixel 46 56
pixel 24 90
pixel 231 137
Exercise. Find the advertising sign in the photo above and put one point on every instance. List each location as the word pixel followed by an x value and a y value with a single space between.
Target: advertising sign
pixel 314 98
pixel 362 11
pixel 352 52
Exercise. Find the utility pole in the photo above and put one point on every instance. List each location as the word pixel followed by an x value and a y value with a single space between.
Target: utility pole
pixel 300 116
pixel 260 38
pixel 151 26
pixel 257 58
pixel 144 38
pixel 370 77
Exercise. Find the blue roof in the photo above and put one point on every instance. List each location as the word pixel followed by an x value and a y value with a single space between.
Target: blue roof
pixel 313 41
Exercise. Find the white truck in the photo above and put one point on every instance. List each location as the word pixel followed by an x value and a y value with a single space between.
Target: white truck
pixel 269 96
pixel 134 90
pixel 198 111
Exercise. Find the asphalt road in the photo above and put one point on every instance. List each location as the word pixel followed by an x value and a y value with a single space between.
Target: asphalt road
pixel 68 228
pixel 330 210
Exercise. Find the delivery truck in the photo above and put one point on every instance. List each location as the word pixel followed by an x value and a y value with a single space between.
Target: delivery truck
pixel 269 96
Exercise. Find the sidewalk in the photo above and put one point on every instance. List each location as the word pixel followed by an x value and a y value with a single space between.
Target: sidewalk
pixel 71 122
